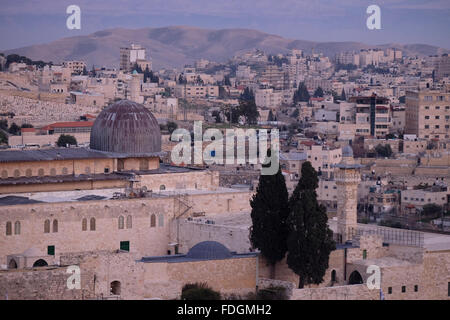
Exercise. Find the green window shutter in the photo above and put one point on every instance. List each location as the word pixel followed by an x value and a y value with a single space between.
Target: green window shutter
pixel 125 245
pixel 51 250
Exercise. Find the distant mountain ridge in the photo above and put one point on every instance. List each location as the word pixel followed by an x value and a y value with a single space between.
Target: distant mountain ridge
pixel 175 46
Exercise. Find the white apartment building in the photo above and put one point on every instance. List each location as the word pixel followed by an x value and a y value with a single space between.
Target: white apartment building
pixel 130 55
pixel 268 98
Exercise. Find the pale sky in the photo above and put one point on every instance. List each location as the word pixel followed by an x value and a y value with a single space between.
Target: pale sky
pixel 26 22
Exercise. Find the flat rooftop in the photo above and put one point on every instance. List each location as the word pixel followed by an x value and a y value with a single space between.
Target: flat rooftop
pixel 65 154
pixel 96 194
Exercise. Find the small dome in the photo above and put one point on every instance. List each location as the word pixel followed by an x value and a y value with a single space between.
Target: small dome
pixel 209 250
pixel 347 152
pixel 126 127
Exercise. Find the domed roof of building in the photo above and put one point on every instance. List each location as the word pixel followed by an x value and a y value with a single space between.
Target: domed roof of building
pixel 347 151
pixel 126 127
pixel 209 250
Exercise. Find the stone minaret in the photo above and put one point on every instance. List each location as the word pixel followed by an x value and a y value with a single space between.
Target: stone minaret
pixel 347 178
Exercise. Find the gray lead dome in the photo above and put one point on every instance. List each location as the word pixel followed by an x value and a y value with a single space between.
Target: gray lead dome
pixel 209 250
pixel 126 127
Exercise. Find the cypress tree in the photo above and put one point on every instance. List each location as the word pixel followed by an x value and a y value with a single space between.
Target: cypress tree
pixel 310 241
pixel 318 93
pixel 301 94
pixel 343 96
pixel 269 213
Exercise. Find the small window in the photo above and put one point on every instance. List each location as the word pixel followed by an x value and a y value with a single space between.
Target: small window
pixel 84 224
pixel 47 226
pixel 16 173
pixel 92 224
pixel 364 254
pixel 4 174
pixel 8 228
pixel 65 171
pixel 41 172
pixel 129 222
pixel 51 250
pixel 125 245
pixel 17 227
pixel 106 170
pixel 28 173
pixel 121 222
pixel 162 187
pixel 55 225
pixel 161 220
pixel 403 288
pixel 53 172
pixel 152 221
pixel 416 288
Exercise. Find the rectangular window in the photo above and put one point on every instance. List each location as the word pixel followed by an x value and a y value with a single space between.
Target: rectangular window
pixel 416 288
pixel 364 254
pixel 51 250
pixel 403 288
pixel 390 290
pixel 125 245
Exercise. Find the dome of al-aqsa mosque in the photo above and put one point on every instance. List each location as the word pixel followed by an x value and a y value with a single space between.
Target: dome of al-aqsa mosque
pixel 126 127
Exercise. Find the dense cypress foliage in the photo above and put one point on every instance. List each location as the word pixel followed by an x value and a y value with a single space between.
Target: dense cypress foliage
pixel 310 241
pixel 269 213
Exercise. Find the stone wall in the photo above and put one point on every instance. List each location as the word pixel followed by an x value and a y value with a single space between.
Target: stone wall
pixel 354 292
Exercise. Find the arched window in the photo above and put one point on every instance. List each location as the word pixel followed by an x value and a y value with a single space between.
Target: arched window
pixel 12 264
pixel 53 172
pixel 41 172
pixel 92 224
pixel 84 224
pixel 129 222
pixel 160 220
pixel 55 225
pixel 17 227
pixel 40 263
pixel 65 171
pixel 47 226
pixel 28 173
pixel 8 228
pixel 115 288
pixel 4 174
pixel 333 276
pixel 152 221
pixel 162 187
pixel 121 222
pixel 16 173
pixel 355 278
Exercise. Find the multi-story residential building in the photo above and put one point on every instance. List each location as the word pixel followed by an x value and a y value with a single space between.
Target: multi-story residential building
pixel 196 91
pixel 372 115
pixel 428 114
pixel 268 98
pixel 324 159
pixel 76 67
pixel 417 199
pixel 129 56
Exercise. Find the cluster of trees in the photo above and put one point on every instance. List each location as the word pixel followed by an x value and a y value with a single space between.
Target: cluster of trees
pixel 383 151
pixel 13 129
pixel 301 94
pixel 22 59
pixel 277 60
pixel 295 226
pixel 348 67
pixel 149 76
pixel 199 291
pixel 247 108
pixel 66 139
